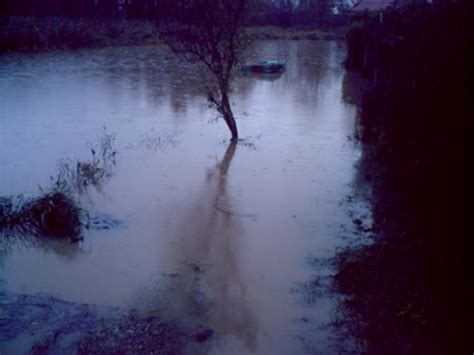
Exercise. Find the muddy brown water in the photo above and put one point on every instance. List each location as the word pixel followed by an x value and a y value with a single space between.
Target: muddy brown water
pixel 210 233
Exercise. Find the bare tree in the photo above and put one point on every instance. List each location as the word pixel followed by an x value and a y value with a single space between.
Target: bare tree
pixel 208 32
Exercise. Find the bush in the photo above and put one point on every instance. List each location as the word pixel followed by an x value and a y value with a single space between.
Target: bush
pixel 53 214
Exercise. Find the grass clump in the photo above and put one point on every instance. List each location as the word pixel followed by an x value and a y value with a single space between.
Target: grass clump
pixel 81 174
pixel 53 214
pixel 56 212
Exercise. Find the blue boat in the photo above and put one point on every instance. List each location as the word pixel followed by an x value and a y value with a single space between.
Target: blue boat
pixel 265 67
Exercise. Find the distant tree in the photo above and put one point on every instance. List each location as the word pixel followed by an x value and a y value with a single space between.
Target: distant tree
pixel 141 9
pixel 316 12
pixel 285 10
pixel 208 32
pixel 323 12
pixel 106 8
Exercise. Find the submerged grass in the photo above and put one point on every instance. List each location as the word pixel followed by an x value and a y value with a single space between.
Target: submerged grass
pixel 81 174
pixel 55 213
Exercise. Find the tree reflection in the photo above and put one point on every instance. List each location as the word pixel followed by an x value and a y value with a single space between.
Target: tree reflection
pixel 208 286
pixel 11 240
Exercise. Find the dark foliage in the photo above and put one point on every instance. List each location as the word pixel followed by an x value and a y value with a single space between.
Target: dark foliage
pixel 46 33
pixel 406 290
pixel 69 8
pixel 30 25
pixel 53 214
pixel 312 13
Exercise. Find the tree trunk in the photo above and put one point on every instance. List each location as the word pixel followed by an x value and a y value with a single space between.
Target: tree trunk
pixel 229 117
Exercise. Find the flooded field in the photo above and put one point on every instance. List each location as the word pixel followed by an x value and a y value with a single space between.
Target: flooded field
pixel 205 232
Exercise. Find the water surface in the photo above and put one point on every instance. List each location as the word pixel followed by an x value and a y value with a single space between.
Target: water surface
pixel 211 234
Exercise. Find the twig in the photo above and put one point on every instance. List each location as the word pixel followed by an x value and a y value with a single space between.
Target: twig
pixel 234 214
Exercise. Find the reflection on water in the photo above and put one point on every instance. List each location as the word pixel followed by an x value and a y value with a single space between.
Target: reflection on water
pixel 62 248
pixel 207 286
pixel 212 234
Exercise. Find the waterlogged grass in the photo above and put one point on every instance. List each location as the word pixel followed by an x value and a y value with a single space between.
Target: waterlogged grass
pixel 82 174
pixel 54 213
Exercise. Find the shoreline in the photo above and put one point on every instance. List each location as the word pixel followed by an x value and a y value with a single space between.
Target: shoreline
pixel 40 323
pixel 42 34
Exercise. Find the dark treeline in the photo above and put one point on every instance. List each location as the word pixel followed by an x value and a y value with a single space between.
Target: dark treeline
pixel 322 14
pixel 406 290
pixel 285 13
pixel 35 25
pixel 68 8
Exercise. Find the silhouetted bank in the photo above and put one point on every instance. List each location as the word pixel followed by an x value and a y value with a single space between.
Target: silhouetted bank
pixel 30 33
pixel 46 33
pixel 405 291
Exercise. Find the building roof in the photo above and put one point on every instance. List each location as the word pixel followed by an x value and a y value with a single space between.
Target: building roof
pixel 371 5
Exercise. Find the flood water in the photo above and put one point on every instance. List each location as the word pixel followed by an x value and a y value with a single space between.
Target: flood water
pixel 209 233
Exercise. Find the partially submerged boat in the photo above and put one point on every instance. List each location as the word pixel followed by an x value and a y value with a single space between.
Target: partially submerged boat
pixel 265 67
